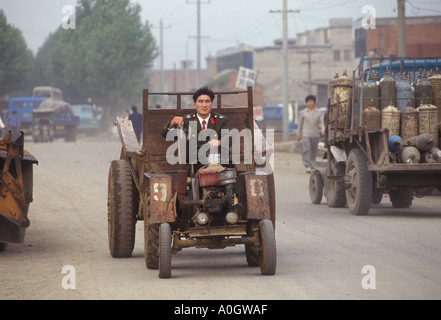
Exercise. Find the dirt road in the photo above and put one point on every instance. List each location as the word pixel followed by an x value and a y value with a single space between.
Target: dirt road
pixel 322 252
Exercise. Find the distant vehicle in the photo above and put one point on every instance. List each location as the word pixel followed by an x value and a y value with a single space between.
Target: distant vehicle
pixel 88 122
pixel 48 92
pixel 43 125
pixel 64 121
pixel 24 107
pixel 272 118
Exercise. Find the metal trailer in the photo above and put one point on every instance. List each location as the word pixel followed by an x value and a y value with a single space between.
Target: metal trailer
pixel 358 170
pixel 170 198
pixel 16 184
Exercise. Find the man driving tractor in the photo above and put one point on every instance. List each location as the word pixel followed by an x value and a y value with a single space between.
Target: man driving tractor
pixel 209 124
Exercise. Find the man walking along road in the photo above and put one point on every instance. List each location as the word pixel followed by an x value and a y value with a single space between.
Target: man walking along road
pixel 136 119
pixel 309 131
pixel 13 124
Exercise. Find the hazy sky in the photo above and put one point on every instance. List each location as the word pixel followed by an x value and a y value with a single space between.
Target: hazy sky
pixel 224 23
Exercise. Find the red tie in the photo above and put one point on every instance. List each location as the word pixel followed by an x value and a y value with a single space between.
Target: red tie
pixel 203 125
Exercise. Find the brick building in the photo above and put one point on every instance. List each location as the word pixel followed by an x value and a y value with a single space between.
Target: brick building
pixel 422 37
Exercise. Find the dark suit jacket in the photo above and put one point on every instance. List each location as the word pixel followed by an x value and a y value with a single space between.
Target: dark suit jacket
pixel 217 122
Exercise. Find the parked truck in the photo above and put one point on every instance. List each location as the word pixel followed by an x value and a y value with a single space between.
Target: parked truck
pixel 24 107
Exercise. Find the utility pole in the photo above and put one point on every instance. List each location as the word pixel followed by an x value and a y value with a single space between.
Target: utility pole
pixel 285 69
pixel 309 62
pixel 161 44
pixel 161 56
pixel 198 3
pixel 401 28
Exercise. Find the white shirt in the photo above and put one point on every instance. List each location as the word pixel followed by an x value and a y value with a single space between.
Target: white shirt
pixel 206 120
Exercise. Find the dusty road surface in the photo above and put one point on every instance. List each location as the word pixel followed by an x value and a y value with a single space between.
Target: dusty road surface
pixel 323 253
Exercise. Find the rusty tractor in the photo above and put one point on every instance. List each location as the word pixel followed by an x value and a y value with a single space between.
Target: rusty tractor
pixel 214 206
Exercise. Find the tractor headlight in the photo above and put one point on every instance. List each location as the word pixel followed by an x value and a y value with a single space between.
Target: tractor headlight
pixel 232 217
pixel 202 218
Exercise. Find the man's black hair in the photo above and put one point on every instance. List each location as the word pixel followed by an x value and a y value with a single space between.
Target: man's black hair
pixel 310 97
pixel 203 91
pixel 134 108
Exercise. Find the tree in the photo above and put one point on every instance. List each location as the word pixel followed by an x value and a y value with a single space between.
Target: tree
pixel 104 58
pixel 15 58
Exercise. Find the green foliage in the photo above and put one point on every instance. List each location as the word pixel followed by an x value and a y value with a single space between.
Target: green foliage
pixel 104 58
pixel 15 58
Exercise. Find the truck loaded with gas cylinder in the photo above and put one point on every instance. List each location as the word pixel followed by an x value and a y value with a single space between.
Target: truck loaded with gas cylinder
pixel 382 135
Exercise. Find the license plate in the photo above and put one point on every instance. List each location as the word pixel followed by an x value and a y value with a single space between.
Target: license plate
pixel 59 128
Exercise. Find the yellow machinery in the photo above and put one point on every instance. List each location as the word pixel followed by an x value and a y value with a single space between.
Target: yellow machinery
pixel 16 166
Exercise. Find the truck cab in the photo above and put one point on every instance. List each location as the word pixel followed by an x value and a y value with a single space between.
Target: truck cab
pixel 24 107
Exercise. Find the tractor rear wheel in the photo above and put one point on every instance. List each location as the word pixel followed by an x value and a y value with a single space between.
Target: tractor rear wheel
pixel 122 206
pixel 151 245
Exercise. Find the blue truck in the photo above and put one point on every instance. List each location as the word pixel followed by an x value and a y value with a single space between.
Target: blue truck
pixel 63 119
pixel 272 118
pixel 396 65
pixel 88 122
pixel 24 107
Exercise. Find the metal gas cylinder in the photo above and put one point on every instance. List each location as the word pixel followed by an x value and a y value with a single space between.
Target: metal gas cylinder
pixel 331 84
pixel 371 94
pixel 403 91
pixel 422 142
pixel 395 144
pixel 423 91
pixel 342 92
pixel 372 117
pixel 387 89
pixel 408 122
pixel 428 121
pixel 431 156
pixel 435 81
pixel 390 119
pixel 409 155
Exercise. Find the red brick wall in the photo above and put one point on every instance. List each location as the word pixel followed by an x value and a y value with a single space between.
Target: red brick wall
pixel 423 40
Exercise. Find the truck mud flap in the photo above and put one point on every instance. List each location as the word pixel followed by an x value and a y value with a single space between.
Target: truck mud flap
pixel 257 196
pixel 162 198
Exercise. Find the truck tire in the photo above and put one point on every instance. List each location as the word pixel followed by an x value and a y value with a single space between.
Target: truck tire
pixel 316 187
pixel 401 198
pixel 335 190
pixel 164 251
pixel 151 245
pixel 268 255
pixel 359 193
pixel 121 209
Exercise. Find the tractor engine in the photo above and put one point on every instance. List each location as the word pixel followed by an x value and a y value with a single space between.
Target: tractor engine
pixel 219 201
